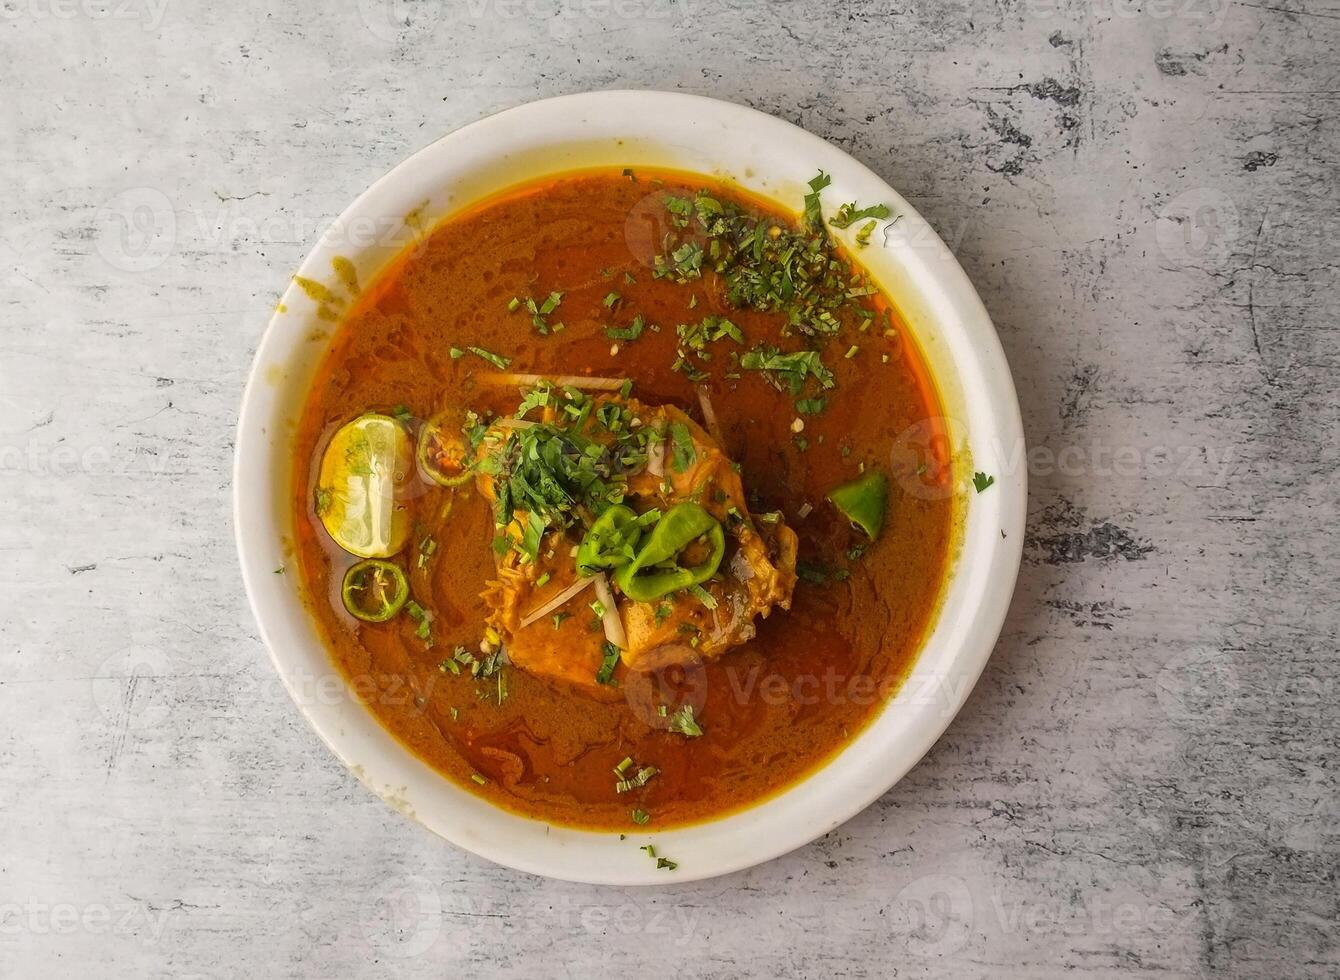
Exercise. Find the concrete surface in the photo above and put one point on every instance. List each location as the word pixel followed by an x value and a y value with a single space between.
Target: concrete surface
pixel 1143 784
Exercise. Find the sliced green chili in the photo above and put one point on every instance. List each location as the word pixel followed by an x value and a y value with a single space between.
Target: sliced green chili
pixel 612 540
pixel 374 590
pixel 863 501
pixel 647 577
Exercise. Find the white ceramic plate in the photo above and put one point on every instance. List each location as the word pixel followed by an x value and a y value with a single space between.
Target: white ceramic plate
pixel 771 157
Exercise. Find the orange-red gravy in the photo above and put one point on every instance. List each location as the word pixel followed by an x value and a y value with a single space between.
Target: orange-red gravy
pixel 772 710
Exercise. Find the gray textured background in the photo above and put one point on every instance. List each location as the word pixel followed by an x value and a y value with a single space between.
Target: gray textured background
pixel 1144 781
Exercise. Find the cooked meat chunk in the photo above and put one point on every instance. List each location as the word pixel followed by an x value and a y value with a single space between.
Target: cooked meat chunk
pixel 670 461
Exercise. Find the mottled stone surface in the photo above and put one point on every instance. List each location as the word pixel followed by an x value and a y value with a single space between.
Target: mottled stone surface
pixel 1143 783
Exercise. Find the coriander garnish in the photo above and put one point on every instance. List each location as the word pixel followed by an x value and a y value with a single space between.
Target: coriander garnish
pixel 661 862
pixel 609 660
pixel 682 452
pixel 788 371
pixel 497 360
pixel 637 780
pixel 849 214
pixel 630 332
pixel 539 312
pixel 682 721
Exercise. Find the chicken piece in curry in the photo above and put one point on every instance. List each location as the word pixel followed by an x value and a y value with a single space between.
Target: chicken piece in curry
pixel 669 493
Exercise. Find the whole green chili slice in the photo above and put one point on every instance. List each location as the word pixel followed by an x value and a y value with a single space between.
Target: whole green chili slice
pixel 374 590
pixel 647 577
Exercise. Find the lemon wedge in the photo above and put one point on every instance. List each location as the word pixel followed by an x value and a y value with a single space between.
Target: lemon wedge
pixel 360 487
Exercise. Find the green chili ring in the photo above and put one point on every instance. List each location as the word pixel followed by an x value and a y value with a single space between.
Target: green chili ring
pixel 366 594
pixel 429 455
pixel 682 525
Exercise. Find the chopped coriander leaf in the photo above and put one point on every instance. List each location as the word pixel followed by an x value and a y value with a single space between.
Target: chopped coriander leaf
pixel 547 475
pixel 631 332
pixel 684 365
pixel 981 481
pixel 641 817
pixel 559 617
pixel 637 781
pixel 710 328
pixel 497 360
pixel 682 721
pixel 661 862
pixel 682 452
pixel 609 660
pixel 813 210
pixel 539 311
pixel 810 406
pixel 788 371
pixel 766 267
pixel 531 536
pixel 490 665
pixel 849 214
pixel 863 234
